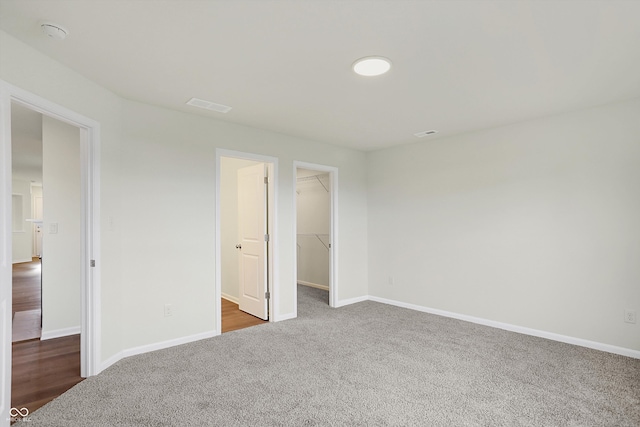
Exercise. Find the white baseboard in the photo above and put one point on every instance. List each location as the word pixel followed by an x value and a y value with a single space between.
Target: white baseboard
pixel 515 328
pixel 491 323
pixel 20 261
pixel 110 361
pixel 166 344
pixel 153 347
pixel 230 298
pixel 313 285
pixel 349 301
pixel 282 317
pixel 58 333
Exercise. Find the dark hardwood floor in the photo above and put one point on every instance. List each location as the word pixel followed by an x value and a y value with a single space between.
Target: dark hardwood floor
pixel 26 286
pixel 26 313
pixel 43 370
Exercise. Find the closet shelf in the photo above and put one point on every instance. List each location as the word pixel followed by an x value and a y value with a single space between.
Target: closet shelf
pixel 313 178
pixel 317 236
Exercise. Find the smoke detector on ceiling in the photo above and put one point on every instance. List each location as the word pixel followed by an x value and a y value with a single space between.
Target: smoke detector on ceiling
pixel 54 31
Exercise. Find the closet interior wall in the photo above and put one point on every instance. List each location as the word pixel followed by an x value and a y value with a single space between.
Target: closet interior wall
pixel 313 227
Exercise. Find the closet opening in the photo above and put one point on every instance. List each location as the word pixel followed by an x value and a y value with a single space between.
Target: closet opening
pixel 315 219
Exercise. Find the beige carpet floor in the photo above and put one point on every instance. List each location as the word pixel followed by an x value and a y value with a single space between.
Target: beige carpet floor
pixel 365 364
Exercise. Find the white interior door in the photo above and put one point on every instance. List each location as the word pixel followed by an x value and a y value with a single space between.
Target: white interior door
pixel 252 230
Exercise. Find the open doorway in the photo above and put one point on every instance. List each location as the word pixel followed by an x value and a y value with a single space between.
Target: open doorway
pixel 87 337
pixel 26 177
pixel 46 295
pixel 246 220
pixel 316 225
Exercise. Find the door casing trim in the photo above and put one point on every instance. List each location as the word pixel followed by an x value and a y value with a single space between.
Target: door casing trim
pixel 90 217
pixel 272 244
pixel 333 228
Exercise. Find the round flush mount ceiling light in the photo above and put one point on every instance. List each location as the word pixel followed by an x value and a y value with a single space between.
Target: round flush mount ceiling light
pixel 370 66
pixel 54 31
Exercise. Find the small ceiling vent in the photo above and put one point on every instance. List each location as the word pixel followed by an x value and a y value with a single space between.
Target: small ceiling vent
pixel 208 105
pixel 425 133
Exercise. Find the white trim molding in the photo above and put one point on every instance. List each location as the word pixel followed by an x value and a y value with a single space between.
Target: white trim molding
pixel 134 351
pixel 168 343
pixel 334 238
pixel 515 328
pixel 230 298
pixel 272 245
pixel 313 285
pixel 349 301
pixel 59 333
pixel 111 361
pixel 282 317
pixel 6 254
pixel 90 165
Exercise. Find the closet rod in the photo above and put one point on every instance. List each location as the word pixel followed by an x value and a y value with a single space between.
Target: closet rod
pixel 312 178
pixel 317 236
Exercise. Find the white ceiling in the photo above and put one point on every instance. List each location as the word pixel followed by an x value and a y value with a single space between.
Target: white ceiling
pixel 458 66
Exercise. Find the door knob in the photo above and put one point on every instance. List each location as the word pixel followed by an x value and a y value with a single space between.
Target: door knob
pixel 238 246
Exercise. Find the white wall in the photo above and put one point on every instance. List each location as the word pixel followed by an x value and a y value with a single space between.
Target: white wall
pixel 22 239
pixel 61 270
pixel 533 224
pixel 157 204
pixel 173 154
pixel 313 223
pixel 57 83
pixel 230 256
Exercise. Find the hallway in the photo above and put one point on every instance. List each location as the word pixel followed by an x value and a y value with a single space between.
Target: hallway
pixel 26 306
pixel 41 370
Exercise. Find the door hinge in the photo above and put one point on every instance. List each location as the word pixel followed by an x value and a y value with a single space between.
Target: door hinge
pixel 266 179
pixel 92 263
pixel 266 237
pixel 267 295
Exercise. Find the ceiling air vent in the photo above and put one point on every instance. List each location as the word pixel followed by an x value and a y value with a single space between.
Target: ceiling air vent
pixel 425 133
pixel 208 105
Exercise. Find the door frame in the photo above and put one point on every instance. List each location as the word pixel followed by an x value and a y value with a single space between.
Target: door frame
pixel 272 223
pixel 333 228
pixel 90 219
